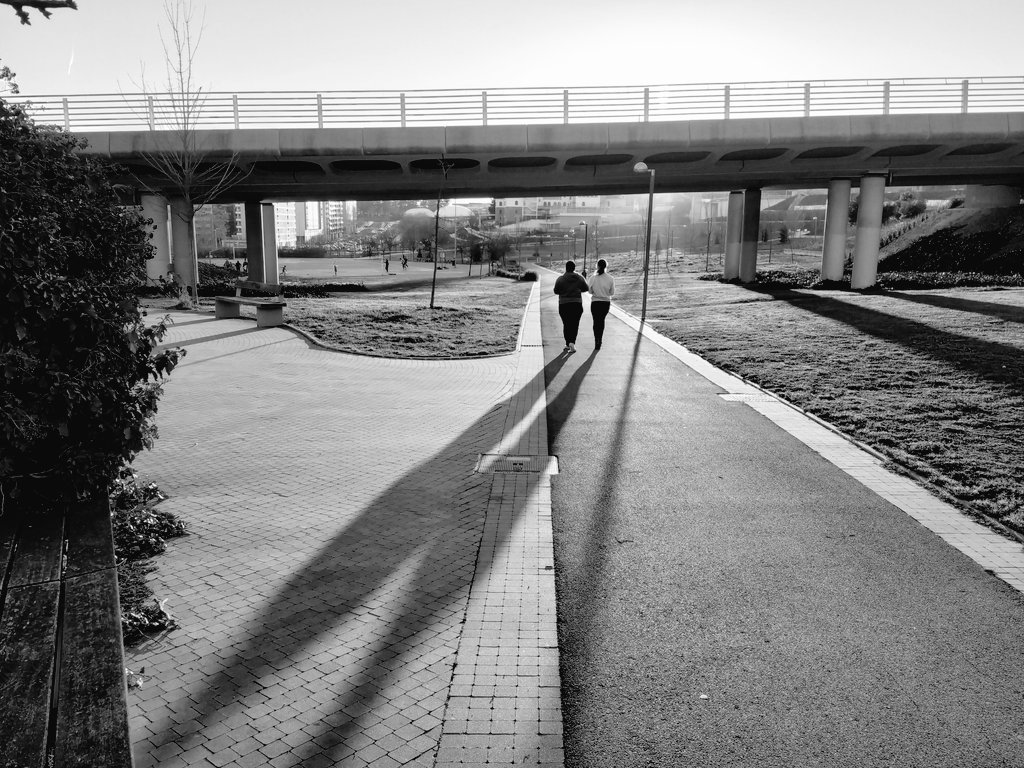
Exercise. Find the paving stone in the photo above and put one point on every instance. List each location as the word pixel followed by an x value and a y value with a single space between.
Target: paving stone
pixel 329 583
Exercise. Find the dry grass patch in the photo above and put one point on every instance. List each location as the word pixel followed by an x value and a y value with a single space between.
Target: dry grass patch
pixel 469 319
pixel 932 379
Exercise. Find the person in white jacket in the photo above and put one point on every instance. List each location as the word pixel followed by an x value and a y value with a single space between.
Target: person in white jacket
pixel 602 288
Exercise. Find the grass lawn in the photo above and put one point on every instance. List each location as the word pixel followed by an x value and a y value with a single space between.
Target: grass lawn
pixel 471 317
pixel 932 379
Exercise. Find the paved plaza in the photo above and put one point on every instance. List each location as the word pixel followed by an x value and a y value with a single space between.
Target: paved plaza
pixel 369 578
pixel 354 591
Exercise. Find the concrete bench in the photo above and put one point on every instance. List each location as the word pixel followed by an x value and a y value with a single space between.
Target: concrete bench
pixel 269 312
pixel 62 678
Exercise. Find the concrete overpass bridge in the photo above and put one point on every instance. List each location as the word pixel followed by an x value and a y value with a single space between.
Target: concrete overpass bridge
pixel 742 137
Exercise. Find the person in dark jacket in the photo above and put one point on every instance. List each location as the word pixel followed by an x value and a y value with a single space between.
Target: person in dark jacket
pixel 570 288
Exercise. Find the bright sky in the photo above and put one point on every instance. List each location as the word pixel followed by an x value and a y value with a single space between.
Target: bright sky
pixel 321 45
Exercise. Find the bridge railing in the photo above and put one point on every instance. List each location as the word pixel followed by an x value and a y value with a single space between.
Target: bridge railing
pixel 508 106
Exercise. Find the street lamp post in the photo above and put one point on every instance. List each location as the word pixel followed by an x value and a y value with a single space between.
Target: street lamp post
pixel 642 168
pixel 586 234
pixel 573 244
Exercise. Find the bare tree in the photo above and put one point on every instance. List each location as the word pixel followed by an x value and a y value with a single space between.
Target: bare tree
pixel 180 165
pixel 43 6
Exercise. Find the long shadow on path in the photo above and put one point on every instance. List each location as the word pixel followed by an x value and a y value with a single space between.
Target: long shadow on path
pixel 354 651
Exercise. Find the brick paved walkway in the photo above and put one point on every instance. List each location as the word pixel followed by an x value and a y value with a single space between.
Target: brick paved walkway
pixel 352 592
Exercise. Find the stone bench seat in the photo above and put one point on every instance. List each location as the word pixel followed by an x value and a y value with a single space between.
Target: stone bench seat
pixel 269 312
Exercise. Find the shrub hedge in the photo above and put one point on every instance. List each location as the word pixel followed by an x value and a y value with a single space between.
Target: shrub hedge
pixel 79 367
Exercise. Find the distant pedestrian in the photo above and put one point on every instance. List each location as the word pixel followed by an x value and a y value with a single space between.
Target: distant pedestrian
pixel 335 270
pixel 602 288
pixel 238 267
pixel 570 288
pixel 284 270
pixel 405 261
pixel 386 264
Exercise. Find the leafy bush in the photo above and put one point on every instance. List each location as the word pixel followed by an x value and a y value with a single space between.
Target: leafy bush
pixel 304 252
pixel 529 276
pixel 80 368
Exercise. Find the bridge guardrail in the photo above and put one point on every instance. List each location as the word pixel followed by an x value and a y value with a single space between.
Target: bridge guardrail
pixel 508 106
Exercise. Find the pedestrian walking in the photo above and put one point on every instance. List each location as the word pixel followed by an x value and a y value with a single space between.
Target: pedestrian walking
pixel 335 270
pixel 386 263
pixel 570 288
pixel 602 288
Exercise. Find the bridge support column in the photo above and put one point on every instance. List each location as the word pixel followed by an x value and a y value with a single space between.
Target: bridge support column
pixel 833 249
pixel 733 236
pixel 254 240
pixel 183 244
pixel 270 270
pixel 751 229
pixel 155 207
pixel 869 228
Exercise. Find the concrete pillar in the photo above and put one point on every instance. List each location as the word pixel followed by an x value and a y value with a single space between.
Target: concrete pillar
pixel 254 240
pixel 733 236
pixel 270 269
pixel 837 216
pixel 183 246
pixel 869 228
pixel 991 196
pixel 155 207
pixel 751 230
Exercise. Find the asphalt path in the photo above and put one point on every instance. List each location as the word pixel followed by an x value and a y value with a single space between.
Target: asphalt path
pixel 726 597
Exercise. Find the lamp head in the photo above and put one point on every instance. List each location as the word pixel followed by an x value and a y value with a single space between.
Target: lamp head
pixel 583 223
pixel 641 167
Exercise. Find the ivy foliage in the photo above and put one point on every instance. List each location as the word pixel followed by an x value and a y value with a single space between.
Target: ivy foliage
pixel 79 368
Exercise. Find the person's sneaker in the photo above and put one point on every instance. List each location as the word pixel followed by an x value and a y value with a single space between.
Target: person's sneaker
pixel 566 348
pixel 572 347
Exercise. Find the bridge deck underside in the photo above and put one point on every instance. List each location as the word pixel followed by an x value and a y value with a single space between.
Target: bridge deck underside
pixel 381 163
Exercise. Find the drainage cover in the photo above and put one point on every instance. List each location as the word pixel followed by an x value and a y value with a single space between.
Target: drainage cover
pixel 503 462
pixel 754 398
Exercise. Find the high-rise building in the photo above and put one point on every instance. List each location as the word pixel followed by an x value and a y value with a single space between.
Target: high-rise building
pixel 284 224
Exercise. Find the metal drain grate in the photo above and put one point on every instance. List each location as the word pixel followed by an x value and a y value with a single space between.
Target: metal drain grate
pixel 755 398
pixel 500 462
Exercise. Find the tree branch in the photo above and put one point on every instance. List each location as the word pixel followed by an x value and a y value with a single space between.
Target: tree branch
pixel 42 6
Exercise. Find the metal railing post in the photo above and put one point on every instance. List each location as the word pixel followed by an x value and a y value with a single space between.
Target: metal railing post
pixel 319 111
pixel 647 105
pixel 886 90
pixel 727 96
pixel 565 106
pixel 963 96
pixel 152 115
pixel 807 99
pixel 234 109
pixel 401 102
pixel 67 115
pixel 483 105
